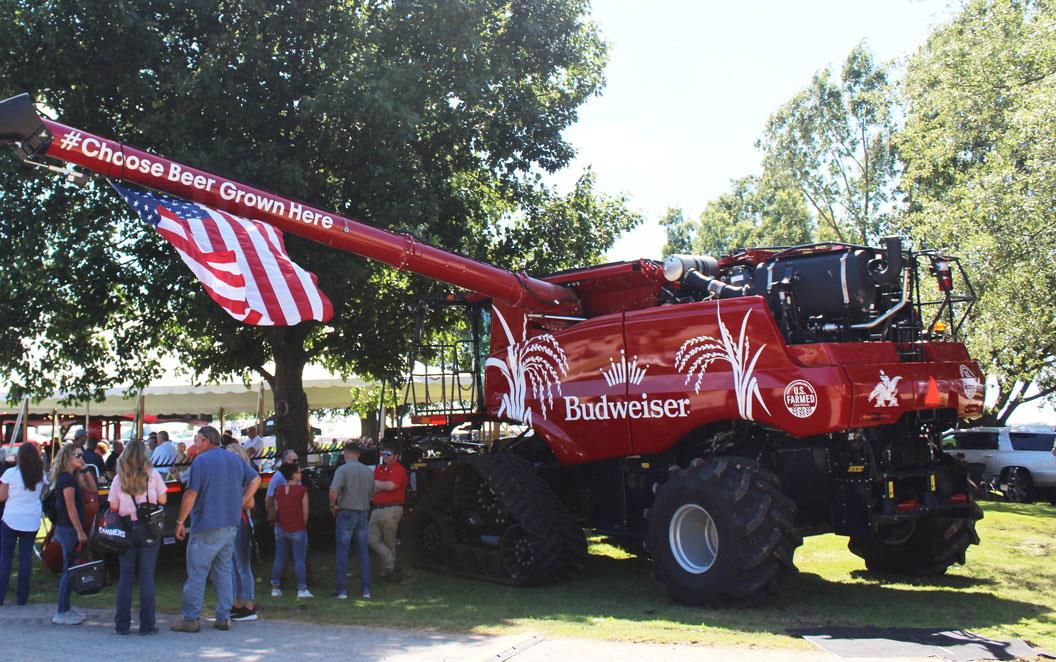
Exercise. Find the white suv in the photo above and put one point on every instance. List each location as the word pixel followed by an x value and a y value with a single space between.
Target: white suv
pixel 1019 460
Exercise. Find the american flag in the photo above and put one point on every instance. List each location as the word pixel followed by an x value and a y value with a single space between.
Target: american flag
pixel 241 262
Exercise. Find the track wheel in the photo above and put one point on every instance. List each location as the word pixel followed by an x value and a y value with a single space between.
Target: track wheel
pixel 516 551
pixel 927 550
pixel 721 531
pixel 431 539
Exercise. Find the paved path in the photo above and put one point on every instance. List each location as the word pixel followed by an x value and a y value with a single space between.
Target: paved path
pixel 26 633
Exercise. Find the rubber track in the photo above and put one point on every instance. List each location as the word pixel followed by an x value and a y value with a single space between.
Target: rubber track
pixel 559 547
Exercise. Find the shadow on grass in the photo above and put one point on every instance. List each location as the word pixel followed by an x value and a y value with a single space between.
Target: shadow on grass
pixel 623 591
pixel 614 598
pixel 944 581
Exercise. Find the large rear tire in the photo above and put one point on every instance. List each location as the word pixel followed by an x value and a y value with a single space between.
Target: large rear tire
pixel 933 545
pixel 722 532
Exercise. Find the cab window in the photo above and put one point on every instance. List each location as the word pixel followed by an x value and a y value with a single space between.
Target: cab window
pixel 977 441
pixel 1031 441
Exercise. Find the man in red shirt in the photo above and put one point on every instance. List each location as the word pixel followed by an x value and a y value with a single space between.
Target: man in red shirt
pixel 390 488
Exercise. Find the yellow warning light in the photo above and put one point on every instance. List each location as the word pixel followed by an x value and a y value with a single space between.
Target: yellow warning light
pixel 890 489
pixel 931 481
pixel 940 327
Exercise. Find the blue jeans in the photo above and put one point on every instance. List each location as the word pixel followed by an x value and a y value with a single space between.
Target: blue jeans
pixel 146 557
pixel 298 540
pixel 66 536
pixel 208 552
pixel 242 578
pixel 349 523
pixel 8 538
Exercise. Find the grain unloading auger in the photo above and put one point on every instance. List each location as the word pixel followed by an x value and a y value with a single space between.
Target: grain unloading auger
pixel 37 136
pixel 717 409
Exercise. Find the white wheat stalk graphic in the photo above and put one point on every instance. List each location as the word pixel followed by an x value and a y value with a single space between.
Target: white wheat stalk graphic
pixel 699 352
pixel 623 372
pixel 532 364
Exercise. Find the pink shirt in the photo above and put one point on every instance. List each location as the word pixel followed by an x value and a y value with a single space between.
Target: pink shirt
pixel 123 502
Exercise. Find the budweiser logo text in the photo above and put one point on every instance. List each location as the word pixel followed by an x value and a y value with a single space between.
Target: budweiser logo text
pixel 605 409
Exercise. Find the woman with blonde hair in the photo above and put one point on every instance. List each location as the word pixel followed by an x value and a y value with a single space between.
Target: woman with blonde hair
pixel 137 483
pixel 244 608
pixel 69 531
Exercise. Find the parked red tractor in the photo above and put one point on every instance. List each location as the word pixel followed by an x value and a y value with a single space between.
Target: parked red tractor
pixel 716 409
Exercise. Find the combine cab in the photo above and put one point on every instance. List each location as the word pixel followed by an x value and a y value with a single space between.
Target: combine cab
pixel 716 409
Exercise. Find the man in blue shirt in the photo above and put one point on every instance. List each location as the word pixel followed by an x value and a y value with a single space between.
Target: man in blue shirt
pixel 219 487
pixel 92 457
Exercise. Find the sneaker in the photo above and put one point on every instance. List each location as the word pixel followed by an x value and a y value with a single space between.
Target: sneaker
pixel 67 618
pixel 276 592
pixel 185 625
pixel 147 632
pixel 244 614
pixel 78 612
pixel 366 595
pixel 304 593
pixel 224 624
pixel 340 595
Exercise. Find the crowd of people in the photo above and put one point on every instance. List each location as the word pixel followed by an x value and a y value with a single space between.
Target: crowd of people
pixel 215 520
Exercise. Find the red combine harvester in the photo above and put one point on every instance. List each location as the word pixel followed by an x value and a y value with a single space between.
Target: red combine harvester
pixel 716 409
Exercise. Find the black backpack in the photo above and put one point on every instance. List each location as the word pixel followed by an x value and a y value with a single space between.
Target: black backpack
pixel 49 503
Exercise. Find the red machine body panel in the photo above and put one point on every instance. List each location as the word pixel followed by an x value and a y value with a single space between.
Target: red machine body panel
pixel 596 391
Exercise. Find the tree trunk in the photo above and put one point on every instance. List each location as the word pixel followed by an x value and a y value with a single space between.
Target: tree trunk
pixel 369 424
pixel 291 402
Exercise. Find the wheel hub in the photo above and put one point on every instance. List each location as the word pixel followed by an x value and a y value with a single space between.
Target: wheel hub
pixel 694 538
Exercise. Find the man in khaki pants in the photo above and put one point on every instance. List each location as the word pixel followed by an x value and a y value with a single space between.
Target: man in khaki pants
pixel 390 488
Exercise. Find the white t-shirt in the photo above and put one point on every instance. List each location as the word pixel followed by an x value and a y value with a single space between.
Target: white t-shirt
pixel 22 510
pixel 256 443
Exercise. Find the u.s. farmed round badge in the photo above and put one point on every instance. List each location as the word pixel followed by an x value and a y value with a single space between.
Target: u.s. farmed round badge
pixel 800 398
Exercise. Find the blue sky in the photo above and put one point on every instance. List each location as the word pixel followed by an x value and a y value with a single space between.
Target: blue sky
pixel 691 84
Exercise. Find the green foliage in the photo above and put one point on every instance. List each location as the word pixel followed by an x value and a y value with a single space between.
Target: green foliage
pixel 757 211
pixel 828 170
pixel 834 141
pixel 679 231
pixel 979 147
pixel 553 232
pixel 428 118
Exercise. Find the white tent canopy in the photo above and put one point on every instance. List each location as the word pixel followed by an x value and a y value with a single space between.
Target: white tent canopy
pixel 171 397
pixel 187 399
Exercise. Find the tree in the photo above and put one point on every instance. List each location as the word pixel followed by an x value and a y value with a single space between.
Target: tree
pixel 679 230
pixel 766 210
pixel 833 139
pixel 979 147
pixel 429 118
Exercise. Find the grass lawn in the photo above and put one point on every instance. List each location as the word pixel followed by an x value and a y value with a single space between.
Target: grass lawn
pixel 1006 590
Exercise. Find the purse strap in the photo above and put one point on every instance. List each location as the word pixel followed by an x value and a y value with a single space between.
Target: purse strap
pixel 147 495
